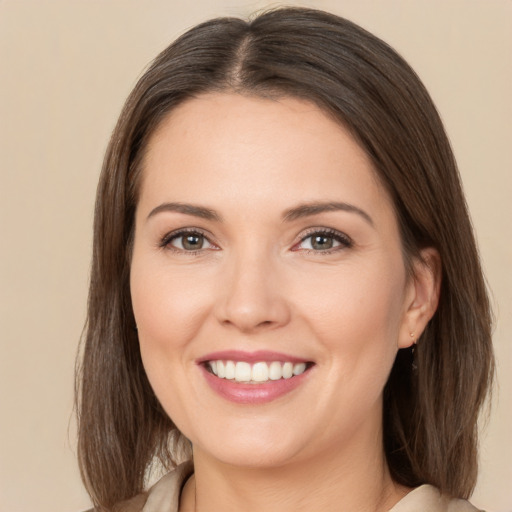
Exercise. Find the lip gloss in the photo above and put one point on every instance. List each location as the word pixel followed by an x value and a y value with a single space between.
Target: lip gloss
pixel 258 393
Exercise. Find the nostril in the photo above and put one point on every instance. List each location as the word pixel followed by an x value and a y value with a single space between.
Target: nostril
pixel 248 324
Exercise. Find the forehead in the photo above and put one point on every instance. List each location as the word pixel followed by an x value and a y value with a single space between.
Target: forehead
pixel 218 146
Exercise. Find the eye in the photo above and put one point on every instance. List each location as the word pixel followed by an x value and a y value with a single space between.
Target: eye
pixel 187 241
pixel 324 241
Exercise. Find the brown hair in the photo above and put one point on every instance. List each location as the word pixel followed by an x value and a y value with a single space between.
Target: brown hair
pixel 433 397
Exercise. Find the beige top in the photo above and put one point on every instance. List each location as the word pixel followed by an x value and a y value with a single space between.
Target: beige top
pixel 164 496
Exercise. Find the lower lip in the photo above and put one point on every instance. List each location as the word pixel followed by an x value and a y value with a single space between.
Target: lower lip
pixel 242 393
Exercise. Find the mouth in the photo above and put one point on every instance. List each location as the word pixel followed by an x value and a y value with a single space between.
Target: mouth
pixel 256 373
pixel 254 378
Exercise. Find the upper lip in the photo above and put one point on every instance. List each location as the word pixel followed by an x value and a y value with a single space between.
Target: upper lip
pixel 250 357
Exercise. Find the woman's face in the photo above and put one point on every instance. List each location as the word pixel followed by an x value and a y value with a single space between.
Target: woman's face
pixel 263 238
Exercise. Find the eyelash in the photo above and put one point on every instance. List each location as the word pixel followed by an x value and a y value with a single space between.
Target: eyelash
pixel 344 241
pixel 165 243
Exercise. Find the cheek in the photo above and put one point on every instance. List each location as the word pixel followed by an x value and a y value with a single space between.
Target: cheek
pixel 356 314
pixel 169 307
pixel 357 318
pixel 357 299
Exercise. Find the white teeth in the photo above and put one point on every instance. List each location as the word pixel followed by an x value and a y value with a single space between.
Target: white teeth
pixel 260 372
pixel 242 371
pixel 230 370
pixel 299 368
pixel 287 370
pixel 275 370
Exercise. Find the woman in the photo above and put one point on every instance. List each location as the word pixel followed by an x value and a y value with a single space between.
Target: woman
pixel 285 287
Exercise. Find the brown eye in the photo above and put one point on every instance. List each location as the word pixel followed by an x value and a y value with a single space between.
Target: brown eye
pixel 192 242
pixel 323 241
pixel 187 241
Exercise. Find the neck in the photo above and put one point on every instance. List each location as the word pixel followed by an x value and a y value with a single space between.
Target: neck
pixel 334 481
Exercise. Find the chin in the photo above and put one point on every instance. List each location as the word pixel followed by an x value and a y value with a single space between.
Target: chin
pixel 254 457
pixel 255 448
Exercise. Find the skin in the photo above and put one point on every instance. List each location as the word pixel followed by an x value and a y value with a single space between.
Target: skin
pixel 257 283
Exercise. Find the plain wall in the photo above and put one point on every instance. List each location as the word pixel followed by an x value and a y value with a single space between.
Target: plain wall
pixel 66 68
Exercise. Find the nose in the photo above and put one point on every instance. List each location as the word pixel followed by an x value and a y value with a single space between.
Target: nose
pixel 253 298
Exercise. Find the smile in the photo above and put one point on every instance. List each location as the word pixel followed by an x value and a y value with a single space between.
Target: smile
pixel 254 378
pixel 261 371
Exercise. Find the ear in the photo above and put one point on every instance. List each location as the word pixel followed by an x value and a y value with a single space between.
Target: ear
pixel 422 296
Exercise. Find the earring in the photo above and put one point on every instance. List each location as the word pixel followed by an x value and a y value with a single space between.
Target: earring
pixel 413 355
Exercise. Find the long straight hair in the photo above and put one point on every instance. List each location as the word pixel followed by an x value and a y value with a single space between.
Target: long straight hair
pixel 432 398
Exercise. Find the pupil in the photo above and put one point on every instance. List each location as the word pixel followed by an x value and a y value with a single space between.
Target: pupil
pixel 192 242
pixel 322 242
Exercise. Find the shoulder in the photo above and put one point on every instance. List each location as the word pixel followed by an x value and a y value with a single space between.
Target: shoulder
pixel 427 497
pixel 135 504
pixel 164 495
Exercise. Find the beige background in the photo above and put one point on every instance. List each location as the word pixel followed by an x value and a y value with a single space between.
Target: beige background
pixel 66 68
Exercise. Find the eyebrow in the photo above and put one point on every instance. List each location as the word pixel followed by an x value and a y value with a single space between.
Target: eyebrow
pixel 298 212
pixel 187 209
pixel 309 209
